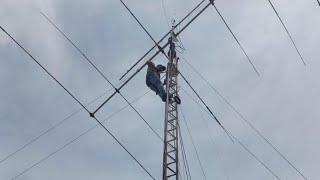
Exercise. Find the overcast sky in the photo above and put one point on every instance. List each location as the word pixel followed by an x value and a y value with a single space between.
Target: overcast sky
pixel 283 103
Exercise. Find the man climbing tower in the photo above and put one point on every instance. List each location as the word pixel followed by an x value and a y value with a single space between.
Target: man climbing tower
pixel 154 83
pixel 153 79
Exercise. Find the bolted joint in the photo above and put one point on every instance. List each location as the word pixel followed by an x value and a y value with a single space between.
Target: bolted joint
pixel 92 115
pixel 212 2
pixel 117 90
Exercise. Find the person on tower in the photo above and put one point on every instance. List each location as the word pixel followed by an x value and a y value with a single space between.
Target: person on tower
pixel 154 83
pixel 153 79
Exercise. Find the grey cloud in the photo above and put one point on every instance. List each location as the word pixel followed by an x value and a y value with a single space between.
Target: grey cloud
pixel 282 103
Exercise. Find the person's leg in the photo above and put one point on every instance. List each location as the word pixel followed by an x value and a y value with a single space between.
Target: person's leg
pixel 149 82
pixel 153 88
pixel 161 90
pixel 156 83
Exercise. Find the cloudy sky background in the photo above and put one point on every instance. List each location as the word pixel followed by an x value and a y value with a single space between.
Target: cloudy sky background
pixel 282 104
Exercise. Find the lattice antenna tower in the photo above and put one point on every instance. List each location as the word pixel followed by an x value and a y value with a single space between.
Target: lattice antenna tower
pixel 171 140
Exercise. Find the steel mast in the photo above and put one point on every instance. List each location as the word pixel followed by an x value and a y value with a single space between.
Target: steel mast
pixel 170 152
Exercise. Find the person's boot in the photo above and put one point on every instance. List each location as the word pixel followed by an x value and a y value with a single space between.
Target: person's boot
pixel 164 98
pixel 177 99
